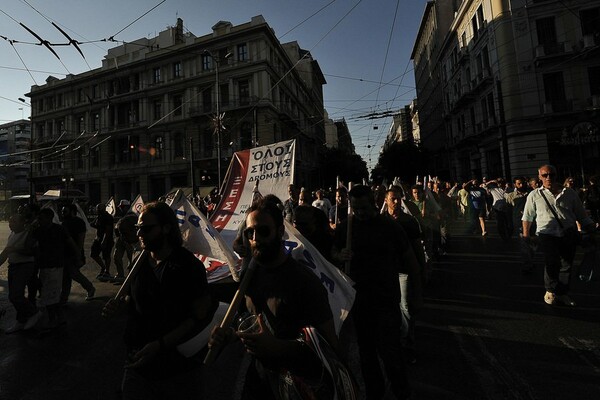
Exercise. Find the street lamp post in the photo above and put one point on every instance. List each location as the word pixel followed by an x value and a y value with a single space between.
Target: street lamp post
pixel 217 61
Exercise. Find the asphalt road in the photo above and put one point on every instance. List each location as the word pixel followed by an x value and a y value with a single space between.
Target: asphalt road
pixel 485 333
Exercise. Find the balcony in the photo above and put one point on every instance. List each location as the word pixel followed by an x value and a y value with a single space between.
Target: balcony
pixel 552 51
pixel 557 106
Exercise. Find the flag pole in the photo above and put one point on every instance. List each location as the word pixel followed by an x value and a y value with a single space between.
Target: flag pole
pixel 213 352
pixel 337 186
pixel 132 273
pixel 349 230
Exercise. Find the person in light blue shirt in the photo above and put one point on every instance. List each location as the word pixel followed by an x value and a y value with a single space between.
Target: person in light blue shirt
pixel 557 235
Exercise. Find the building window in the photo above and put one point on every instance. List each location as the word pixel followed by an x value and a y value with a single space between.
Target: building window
pixel 159 147
pixel 79 163
pixel 177 105
pixel 475 27
pixel 156 75
pixel 80 124
pixel 95 92
pixel 480 18
pixel 178 146
pixel 80 95
pixel 206 62
pixel 177 70
pixel 244 92
pixel 546 33
pixel 96 122
pixel 224 94
pixel 95 156
pixel 207 100
pixel 554 91
pixel 246 135
pixel 40 132
pixel 157 106
pixel 242 52
pixel 590 20
pixel 594 78
pixel 491 108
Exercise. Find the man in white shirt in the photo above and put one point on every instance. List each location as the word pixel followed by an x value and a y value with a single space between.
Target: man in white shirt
pixel 555 209
pixel 322 203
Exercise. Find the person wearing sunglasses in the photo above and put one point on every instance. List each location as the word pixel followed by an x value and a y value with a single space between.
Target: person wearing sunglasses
pixel 287 297
pixel 556 210
pixel 167 303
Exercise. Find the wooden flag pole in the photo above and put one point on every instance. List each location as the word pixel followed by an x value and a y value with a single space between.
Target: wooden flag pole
pixel 132 273
pixel 349 230
pixel 213 352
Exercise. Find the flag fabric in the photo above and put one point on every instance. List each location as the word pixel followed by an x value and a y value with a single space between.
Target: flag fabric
pixel 51 205
pixel 136 206
pixel 82 215
pixel 201 238
pixel 111 207
pixel 338 285
pixel 272 165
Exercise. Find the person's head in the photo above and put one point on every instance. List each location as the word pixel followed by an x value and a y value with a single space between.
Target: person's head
pixel 158 227
pixel 362 202
pixel 519 183
pixel 16 223
pixel 65 212
pixel 304 220
pixel 293 192
pixel 341 196
pixel 45 217
pixel 127 228
pixel 569 182
pixel 264 230
pixel 534 183
pixel 319 194
pixel 100 207
pixel 393 200
pixel 305 198
pixel 417 192
pixel 547 174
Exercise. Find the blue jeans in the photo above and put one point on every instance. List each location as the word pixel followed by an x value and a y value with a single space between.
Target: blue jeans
pixel 18 276
pixel 558 256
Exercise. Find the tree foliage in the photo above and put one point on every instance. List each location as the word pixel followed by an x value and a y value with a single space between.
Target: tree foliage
pixel 402 159
pixel 349 167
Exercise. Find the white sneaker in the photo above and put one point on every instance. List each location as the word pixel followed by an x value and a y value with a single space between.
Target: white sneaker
pixel 33 320
pixel 550 298
pixel 18 326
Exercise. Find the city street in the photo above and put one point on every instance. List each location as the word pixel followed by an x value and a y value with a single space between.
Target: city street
pixel 485 333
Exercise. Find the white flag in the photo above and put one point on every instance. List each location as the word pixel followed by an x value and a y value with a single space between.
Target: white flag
pixel 338 285
pixel 199 236
pixel 82 215
pixel 111 207
pixel 51 205
pixel 136 206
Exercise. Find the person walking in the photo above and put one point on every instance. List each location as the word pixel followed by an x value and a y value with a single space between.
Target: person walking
pixel 103 243
pixel 21 268
pixel 167 303
pixel 555 209
pixel 76 228
pixel 376 311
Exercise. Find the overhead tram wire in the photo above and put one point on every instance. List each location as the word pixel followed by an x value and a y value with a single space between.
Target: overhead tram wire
pixel 135 20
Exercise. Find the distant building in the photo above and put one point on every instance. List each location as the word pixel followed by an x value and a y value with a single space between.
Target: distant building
pixel 133 125
pixel 520 83
pixel 15 140
pixel 343 137
pixel 401 129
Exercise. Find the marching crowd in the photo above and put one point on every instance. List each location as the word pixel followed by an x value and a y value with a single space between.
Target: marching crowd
pixel 396 230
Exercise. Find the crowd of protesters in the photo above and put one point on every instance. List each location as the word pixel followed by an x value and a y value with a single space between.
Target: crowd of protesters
pixel 397 229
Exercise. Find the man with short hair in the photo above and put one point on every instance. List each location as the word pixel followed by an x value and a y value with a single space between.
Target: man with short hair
pixel 321 202
pixel 287 297
pixel 291 203
pixel 168 303
pixel 556 210
pixel 339 211
pixel 379 250
pixel 76 228
pixel 516 200
pixel 393 201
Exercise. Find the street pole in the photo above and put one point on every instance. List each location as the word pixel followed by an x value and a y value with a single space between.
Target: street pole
pixel 192 175
pixel 218 126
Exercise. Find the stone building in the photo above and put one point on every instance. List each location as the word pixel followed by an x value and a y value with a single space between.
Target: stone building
pixel 146 121
pixel 519 82
pixel 14 158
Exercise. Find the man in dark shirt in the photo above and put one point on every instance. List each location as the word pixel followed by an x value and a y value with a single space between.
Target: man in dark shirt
pixel 291 203
pixel 76 228
pixel 103 243
pixel 378 252
pixel 54 244
pixel 168 303
pixel 339 212
pixel 287 297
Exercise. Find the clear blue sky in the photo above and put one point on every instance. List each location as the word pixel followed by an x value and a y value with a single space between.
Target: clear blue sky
pixel 358 44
